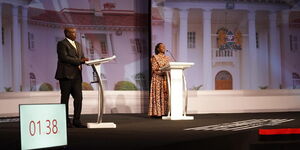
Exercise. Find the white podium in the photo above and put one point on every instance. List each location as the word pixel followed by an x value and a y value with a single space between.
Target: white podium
pixel 96 65
pixel 178 94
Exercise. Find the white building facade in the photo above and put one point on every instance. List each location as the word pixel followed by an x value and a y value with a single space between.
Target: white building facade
pixel 267 31
pixel 31 30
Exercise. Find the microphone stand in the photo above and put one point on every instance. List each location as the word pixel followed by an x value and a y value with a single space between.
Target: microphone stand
pixel 171 55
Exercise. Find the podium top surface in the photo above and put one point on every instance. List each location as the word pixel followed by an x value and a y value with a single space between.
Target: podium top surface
pixel 100 61
pixel 177 65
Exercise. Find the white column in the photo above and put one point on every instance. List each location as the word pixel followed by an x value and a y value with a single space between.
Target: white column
pixel 252 51
pixel 274 53
pixel 1 54
pixel 168 36
pixel 207 51
pixel 16 51
pixel 285 39
pixel 183 30
pixel 24 42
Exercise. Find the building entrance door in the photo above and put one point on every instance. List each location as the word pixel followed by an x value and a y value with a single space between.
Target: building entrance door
pixel 223 81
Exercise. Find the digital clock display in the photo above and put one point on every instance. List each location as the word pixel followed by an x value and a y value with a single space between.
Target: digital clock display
pixel 43 125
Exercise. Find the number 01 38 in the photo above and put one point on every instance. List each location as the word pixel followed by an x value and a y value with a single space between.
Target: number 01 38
pixel 43 127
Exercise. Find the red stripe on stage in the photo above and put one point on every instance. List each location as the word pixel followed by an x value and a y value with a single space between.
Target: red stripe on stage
pixel 279 131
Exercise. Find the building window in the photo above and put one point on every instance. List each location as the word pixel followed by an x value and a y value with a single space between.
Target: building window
pixel 293 43
pixel 30 41
pixel 191 39
pixel 91 50
pixel 257 40
pixel 137 45
pixel 103 48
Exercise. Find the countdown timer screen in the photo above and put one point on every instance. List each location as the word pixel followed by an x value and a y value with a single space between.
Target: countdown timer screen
pixel 43 125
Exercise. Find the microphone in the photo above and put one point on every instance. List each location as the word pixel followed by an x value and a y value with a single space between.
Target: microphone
pixel 171 54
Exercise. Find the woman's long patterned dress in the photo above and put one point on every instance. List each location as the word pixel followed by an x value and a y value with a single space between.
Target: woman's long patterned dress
pixel 158 105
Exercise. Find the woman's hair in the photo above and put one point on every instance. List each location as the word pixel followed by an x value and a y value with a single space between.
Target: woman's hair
pixel 156 48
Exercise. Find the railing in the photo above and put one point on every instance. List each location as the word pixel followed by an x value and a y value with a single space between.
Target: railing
pixel 223 53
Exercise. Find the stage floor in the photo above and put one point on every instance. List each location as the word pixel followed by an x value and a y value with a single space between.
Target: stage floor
pixel 138 131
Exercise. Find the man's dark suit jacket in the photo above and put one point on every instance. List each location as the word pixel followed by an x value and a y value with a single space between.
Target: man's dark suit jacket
pixel 69 60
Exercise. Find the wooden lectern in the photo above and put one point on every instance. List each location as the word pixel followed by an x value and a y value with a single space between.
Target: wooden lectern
pixel 96 65
pixel 178 95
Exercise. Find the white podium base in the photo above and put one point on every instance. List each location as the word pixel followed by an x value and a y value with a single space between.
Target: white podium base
pixel 178 118
pixel 101 125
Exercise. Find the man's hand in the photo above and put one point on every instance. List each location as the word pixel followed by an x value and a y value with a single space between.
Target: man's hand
pixel 84 59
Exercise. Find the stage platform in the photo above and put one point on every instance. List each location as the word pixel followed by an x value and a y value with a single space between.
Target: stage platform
pixel 238 131
pixel 200 102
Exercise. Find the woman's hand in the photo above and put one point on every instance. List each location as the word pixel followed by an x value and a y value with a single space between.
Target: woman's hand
pixel 158 72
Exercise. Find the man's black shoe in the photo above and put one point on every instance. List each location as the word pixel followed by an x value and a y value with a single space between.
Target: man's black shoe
pixel 79 125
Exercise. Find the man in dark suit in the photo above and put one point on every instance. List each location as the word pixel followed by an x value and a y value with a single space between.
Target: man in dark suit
pixel 69 66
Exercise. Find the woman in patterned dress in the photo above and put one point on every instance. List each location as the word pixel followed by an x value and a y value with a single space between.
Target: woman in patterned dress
pixel 158 105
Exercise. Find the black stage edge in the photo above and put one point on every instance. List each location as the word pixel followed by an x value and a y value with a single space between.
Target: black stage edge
pixel 138 131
